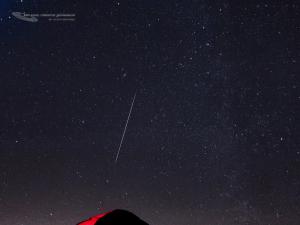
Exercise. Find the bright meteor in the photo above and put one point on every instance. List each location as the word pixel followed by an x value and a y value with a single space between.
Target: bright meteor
pixel 125 128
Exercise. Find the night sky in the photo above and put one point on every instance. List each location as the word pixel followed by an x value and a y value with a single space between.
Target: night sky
pixel 213 137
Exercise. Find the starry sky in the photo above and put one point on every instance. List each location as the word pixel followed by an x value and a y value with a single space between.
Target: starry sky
pixel 213 137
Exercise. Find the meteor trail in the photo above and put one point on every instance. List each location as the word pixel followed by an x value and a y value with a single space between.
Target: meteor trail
pixel 125 128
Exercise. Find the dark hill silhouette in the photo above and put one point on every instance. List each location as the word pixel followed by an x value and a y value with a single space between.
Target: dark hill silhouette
pixel 115 217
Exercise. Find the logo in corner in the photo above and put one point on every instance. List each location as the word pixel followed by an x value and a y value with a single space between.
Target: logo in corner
pixel 25 17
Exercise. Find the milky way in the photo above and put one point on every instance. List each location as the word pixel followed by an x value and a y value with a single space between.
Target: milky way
pixel 213 136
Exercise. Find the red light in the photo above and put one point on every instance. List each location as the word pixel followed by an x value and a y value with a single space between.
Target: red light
pixel 92 220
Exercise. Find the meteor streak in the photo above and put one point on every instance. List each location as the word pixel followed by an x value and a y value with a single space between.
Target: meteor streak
pixel 125 128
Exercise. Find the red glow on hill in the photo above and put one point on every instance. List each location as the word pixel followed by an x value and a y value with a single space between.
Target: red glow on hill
pixel 92 220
